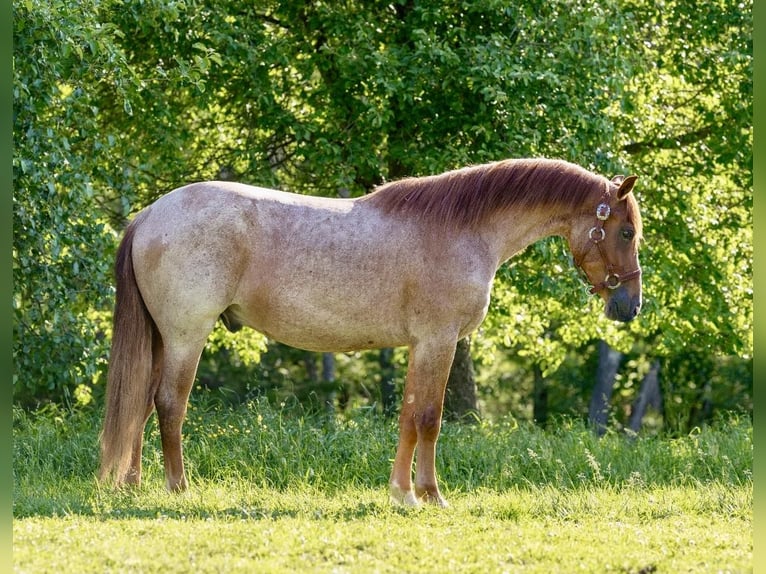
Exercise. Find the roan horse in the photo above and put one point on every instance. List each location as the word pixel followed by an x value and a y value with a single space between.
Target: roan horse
pixel 410 264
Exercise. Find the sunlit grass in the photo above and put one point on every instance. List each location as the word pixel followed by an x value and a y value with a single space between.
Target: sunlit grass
pixel 276 489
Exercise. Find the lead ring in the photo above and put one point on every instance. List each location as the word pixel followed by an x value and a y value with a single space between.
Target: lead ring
pixel 608 281
pixel 600 230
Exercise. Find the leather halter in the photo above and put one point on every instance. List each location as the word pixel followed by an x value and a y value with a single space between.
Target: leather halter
pixel 596 237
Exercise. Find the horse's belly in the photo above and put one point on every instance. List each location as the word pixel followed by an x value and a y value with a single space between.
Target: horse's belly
pixel 337 337
pixel 339 319
pixel 340 342
pixel 325 327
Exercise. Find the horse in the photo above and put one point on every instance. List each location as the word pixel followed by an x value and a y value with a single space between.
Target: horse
pixel 410 264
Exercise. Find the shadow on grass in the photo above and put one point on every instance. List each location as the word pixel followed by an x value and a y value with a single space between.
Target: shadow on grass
pixel 89 499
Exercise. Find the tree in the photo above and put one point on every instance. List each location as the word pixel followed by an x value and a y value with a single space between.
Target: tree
pixel 694 150
pixel 460 395
pixel 63 157
pixel 649 396
pixel 608 364
pixel 115 104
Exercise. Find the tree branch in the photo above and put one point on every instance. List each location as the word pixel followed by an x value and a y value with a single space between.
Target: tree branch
pixel 268 18
pixel 671 142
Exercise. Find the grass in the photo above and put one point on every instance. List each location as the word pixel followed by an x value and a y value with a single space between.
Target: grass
pixel 275 490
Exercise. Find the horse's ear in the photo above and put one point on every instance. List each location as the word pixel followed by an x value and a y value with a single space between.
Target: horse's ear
pixel 626 185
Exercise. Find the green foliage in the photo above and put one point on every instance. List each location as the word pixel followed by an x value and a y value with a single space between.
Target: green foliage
pixel 694 154
pixel 62 242
pixel 73 187
pixel 116 103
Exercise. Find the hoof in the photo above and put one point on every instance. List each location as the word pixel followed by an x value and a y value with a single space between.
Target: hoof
pixel 437 500
pixel 432 496
pixel 402 497
pixel 177 486
pixel 133 478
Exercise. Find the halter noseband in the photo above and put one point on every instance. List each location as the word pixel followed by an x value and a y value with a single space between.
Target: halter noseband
pixel 596 237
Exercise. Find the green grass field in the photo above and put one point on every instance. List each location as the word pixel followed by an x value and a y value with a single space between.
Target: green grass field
pixel 275 490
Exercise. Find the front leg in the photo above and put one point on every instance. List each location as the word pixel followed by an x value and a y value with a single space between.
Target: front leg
pixel 428 424
pixel 420 421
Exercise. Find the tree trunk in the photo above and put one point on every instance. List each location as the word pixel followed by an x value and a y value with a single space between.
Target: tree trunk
pixel 608 364
pixel 648 396
pixel 328 381
pixel 387 386
pixel 460 395
pixel 702 406
pixel 310 363
pixel 539 398
pixel 396 170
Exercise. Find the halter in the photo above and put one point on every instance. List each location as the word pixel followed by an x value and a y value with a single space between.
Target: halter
pixel 596 237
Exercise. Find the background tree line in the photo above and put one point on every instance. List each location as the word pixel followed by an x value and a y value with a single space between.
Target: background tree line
pixel 116 103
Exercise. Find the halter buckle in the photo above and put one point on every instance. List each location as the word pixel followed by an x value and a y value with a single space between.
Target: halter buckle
pixel 603 211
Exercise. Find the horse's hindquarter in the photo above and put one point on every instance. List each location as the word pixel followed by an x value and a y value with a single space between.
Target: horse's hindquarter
pixel 314 273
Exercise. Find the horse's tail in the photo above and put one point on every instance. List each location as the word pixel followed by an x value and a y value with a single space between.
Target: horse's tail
pixel 129 382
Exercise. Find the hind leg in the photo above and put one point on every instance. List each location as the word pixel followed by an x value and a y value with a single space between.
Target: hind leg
pixel 179 370
pixel 134 474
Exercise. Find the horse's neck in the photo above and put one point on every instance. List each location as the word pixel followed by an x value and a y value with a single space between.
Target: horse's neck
pixel 510 232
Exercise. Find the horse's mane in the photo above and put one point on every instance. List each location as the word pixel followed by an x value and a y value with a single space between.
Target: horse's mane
pixel 469 195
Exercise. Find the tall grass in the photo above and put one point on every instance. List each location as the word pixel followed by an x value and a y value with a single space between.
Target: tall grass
pixel 283 447
pixel 276 489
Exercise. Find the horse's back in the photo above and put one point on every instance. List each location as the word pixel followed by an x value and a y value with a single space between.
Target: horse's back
pixel 316 273
pixel 285 264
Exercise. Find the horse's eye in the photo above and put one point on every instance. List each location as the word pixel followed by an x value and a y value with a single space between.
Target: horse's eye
pixel 627 234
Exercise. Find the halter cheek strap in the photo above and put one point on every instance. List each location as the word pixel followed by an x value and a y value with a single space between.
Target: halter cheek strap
pixel 596 237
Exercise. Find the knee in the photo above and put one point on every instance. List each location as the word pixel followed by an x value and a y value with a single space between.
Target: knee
pixel 428 422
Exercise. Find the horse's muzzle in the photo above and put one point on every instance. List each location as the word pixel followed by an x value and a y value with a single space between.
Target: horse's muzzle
pixel 622 306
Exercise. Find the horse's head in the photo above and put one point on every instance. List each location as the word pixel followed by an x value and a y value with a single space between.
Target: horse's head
pixel 605 242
